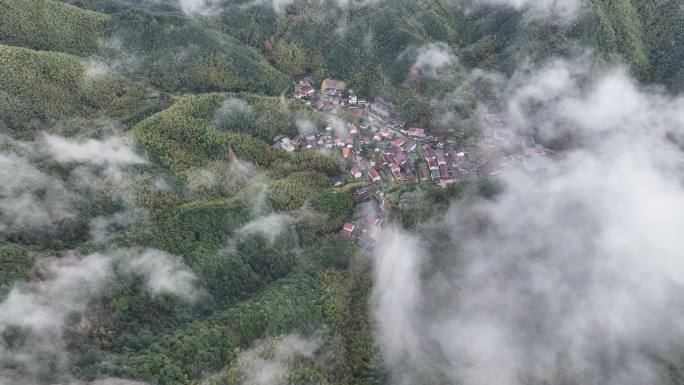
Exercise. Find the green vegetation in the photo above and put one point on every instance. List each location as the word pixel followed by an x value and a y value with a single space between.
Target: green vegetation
pixel 14 266
pixel 48 25
pixel 203 346
pixel 621 32
pixel 197 227
pixel 215 123
pixel 204 97
pixel 178 54
pixel 345 306
pixel 264 117
pixel 183 135
pixel 291 58
pixel 44 86
pixel 291 192
pixel 662 28
pixel 336 204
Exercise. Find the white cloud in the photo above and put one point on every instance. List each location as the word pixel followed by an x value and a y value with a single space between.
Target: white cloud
pixel 197 7
pixel 268 362
pixel 305 127
pixel 30 198
pixel 43 305
pixel 270 226
pixel 575 274
pixel 339 126
pixel 559 10
pixel 395 304
pixel 110 151
pixel 38 310
pixel 433 57
pixel 164 273
pixel 233 112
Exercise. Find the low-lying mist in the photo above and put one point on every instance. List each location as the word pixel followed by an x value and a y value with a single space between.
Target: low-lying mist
pixel 569 276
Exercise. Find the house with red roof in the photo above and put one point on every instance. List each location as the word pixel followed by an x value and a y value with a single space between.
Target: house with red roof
pixel 416 132
pixel 398 142
pixel 347 230
pixel 374 175
pixel 356 173
pixel 396 171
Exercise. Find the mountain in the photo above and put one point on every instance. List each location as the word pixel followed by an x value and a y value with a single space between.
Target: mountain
pixel 340 192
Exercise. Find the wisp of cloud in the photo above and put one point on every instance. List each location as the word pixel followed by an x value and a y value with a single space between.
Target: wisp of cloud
pixel 570 276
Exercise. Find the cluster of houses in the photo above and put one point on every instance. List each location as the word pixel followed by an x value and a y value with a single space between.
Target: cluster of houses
pixel 379 148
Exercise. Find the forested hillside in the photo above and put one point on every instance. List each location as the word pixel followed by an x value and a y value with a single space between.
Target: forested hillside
pixel 153 227
pixel 51 26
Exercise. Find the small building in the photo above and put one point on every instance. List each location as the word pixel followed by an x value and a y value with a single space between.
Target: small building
pixel 286 144
pixel 398 142
pixel 381 108
pixel 363 243
pixel 356 173
pixel 429 152
pixel 440 141
pixel 347 230
pixel 490 170
pixel 318 105
pixel 307 144
pixel 374 175
pixel 396 171
pixel 416 132
pixel 410 146
pixel 444 172
pixel 362 191
pixel 422 175
pixel 308 90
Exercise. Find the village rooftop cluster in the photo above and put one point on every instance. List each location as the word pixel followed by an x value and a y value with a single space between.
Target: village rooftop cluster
pixel 380 148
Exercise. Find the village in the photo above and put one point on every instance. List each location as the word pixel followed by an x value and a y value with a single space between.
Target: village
pixel 381 151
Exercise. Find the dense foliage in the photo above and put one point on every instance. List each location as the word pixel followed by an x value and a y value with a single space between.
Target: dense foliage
pixel 48 25
pixel 45 86
pixel 202 96
pixel 291 192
